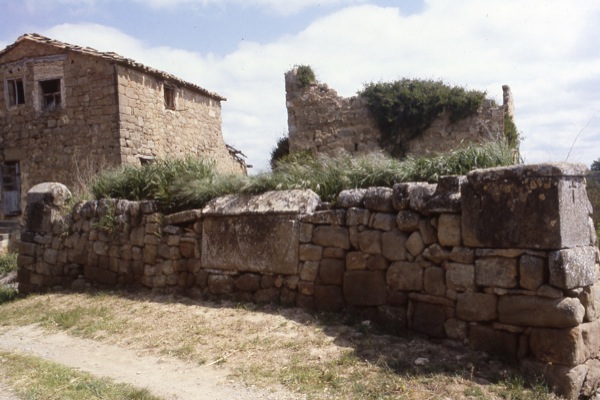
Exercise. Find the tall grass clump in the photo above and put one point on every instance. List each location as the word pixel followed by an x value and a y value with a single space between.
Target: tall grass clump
pixel 180 186
pixel 152 181
pixel 8 263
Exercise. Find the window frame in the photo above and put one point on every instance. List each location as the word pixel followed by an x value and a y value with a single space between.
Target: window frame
pixel 16 96
pixel 49 98
pixel 170 95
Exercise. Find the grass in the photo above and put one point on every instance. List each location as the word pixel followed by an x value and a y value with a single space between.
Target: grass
pixel 323 356
pixel 188 184
pixel 34 378
pixel 8 263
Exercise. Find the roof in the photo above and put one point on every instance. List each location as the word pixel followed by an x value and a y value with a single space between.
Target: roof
pixel 110 56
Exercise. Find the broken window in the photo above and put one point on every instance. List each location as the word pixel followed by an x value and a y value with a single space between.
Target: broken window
pixel 50 94
pixel 169 97
pixel 16 94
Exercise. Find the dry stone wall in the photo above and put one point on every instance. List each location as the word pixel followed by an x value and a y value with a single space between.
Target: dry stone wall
pixel 504 260
pixel 321 121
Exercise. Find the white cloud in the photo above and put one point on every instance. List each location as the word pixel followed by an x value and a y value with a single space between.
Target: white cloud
pixel 276 6
pixel 543 49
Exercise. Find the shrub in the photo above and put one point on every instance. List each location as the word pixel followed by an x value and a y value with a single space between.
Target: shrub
pixel 595 165
pixel 407 107
pixel 305 75
pixel 510 132
pixel 281 149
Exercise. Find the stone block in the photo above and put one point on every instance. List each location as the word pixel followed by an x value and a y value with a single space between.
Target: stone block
pixel 334 252
pixel 532 272
pixel 44 204
pixel 428 232
pixel 369 241
pixel 393 245
pixel 572 268
pixel 449 231
pixel 382 221
pixel 326 217
pixel 263 296
pixel 310 252
pixel 496 272
pixel 332 236
pixel 558 346
pixel 456 329
pixel 521 201
pixel 436 254
pixel 434 281
pixel 288 297
pixel 414 244
pixel 379 199
pixel 331 271
pixel 351 198
pixel 306 288
pixel 403 275
pixel 408 221
pixel 365 288
pixel 220 284
pixel 429 319
pixel 540 312
pixel 357 216
pixel 329 298
pixel 377 262
pixel 590 299
pixel 265 244
pixel 476 306
pixel 592 379
pixel 248 282
pixel 356 260
pixel 267 281
pixel 306 231
pixel 446 197
pixel 275 202
pixel 499 343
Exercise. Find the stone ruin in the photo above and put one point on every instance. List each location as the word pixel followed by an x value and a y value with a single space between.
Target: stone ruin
pixel 504 260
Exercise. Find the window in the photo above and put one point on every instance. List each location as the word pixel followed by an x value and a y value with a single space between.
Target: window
pixel 16 94
pixel 169 97
pixel 50 94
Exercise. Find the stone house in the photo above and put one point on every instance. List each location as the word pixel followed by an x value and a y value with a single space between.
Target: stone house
pixel 68 111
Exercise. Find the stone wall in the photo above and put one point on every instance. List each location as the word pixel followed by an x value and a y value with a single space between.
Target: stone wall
pixel 321 121
pixel 148 129
pixel 504 260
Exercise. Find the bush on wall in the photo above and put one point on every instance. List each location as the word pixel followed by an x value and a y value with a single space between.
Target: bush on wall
pixel 407 107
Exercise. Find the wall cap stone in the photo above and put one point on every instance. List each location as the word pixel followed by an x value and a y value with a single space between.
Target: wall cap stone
pixel 273 202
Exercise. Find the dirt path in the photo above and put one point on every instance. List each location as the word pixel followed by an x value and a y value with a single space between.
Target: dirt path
pixel 166 377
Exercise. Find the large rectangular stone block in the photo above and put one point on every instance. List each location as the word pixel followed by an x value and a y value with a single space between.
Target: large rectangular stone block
pixel 572 268
pixel 261 243
pixel 511 207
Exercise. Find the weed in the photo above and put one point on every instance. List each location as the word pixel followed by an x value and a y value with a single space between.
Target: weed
pixel 306 75
pixel 7 294
pixel 8 263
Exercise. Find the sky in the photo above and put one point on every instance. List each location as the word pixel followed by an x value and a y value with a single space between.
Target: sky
pixel 545 50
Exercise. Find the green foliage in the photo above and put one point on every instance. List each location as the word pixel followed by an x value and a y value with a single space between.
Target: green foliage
pixel 326 176
pixel 281 149
pixel 407 107
pixel 305 75
pixel 510 132
pixel 8 263
pixel 595 165
pixel 7 294
pixel 150 182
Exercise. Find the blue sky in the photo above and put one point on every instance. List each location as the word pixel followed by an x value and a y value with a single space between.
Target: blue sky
pixel 545 50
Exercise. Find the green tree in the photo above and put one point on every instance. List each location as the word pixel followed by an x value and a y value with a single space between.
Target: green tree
pixel 595 165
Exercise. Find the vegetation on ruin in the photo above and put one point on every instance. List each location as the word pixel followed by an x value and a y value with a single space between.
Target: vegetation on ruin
pixel 281 149
pixel 406 108
pixel 317 355
pixel 187 184
pixel 305 75
pixel 595 165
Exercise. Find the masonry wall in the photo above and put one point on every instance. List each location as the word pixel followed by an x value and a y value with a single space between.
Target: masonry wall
pixel 321 121
pixel 504 260
pixel 53 144
pixel 149 129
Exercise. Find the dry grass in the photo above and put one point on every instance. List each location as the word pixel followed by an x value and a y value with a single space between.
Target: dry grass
pixel 321 355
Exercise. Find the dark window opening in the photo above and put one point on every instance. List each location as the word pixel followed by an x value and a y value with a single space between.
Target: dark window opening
pixel 169 97
pixel 16 93
pixel 50 94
